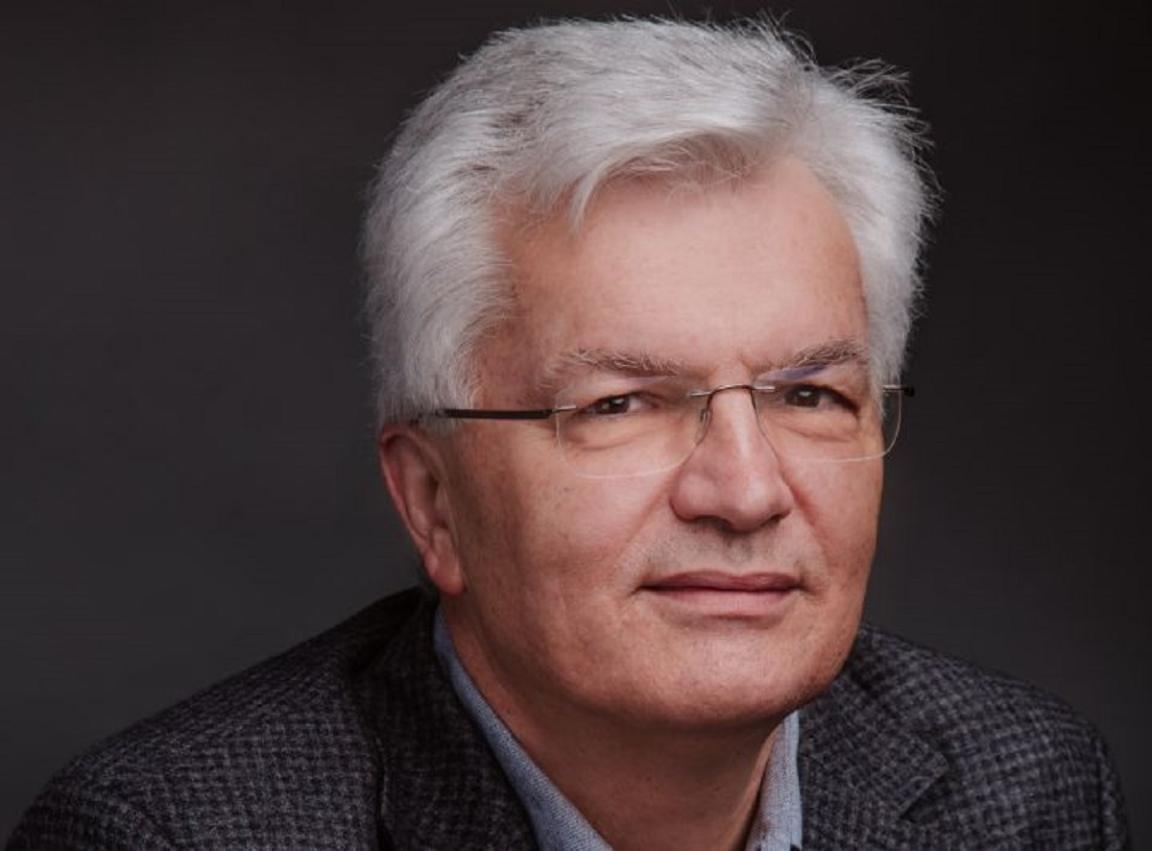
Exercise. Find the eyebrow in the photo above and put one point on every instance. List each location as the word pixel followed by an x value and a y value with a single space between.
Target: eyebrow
pixel 830 353
pixel 624 362
pixel 618 361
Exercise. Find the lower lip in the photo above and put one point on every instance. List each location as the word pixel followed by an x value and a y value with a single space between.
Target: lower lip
pixel 726 603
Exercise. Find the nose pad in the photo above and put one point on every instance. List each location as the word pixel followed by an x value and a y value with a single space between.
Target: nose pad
pixel 702 421
pixel 705 416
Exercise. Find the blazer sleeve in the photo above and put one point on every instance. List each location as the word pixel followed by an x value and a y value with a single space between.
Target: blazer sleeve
pixel 1113 817
pixel 73 816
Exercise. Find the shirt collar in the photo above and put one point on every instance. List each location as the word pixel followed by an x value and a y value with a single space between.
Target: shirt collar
pixel 559 826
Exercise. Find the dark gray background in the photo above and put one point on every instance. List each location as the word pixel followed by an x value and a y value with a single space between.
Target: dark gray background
pixel 188 480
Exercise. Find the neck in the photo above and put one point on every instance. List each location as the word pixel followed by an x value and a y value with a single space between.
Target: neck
pixel 639 785
pixel 655 791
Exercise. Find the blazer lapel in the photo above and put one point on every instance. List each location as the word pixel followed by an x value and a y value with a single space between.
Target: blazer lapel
pixel 860 773
pixel 440 785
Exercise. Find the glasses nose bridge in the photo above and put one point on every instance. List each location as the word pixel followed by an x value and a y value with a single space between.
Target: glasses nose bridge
pixel 705 398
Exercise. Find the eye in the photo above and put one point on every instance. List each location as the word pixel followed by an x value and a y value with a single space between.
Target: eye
pixel 626 403
pixel 815 396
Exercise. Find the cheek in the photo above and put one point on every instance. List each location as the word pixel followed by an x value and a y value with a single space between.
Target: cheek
pixel 536 531
pixel 581 531
pixel 842 504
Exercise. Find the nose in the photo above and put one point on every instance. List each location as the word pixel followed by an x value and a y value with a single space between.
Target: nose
pixel 734 475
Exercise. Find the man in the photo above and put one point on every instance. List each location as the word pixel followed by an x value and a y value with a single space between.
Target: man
pixel 640 294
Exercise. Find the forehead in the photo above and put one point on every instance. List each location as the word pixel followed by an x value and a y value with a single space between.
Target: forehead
pixel 733 275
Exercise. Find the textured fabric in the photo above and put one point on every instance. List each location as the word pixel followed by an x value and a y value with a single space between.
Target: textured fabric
pixel 556 824
pixel 355 740
pixel 559 826
pixel 912 750
pixel 779 822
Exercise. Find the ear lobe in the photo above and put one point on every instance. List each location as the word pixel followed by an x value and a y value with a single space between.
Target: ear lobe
pixel 413 469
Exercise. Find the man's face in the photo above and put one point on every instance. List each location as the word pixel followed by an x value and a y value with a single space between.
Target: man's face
pixel 723 591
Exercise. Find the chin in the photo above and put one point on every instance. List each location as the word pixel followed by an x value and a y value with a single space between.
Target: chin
pixel 758 681
pixel 727 697
pixel 724 711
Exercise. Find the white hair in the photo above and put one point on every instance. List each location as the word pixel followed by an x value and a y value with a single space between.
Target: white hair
pixel 547 115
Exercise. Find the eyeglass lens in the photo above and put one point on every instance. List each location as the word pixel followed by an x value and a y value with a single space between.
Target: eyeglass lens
pixel 656 426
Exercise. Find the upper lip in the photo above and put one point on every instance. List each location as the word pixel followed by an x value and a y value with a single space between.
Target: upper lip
pixel 715 580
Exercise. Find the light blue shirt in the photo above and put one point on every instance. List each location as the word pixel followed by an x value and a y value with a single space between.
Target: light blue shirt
pixel 559 826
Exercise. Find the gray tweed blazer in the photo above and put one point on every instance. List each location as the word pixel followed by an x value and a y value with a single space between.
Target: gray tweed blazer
pixel 355 740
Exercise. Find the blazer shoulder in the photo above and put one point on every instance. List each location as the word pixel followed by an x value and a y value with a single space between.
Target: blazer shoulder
pixel 1010 748
pixel 279 750
pixel 932 691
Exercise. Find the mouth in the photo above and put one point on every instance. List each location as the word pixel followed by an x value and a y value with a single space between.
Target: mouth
pixel 754 596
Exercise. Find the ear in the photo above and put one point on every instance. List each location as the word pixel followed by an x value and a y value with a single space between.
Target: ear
pixel 413 468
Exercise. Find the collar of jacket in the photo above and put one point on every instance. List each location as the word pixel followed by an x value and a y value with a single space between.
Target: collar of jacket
pixel 441 788
pixel 861 771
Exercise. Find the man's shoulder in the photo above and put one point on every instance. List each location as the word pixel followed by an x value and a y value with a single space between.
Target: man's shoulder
pixel 279 750
pixel 962 750
pixel 943 697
